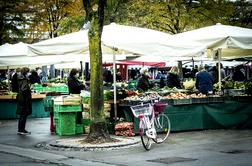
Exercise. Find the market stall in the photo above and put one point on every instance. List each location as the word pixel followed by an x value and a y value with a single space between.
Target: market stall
pixel 194 112
pixel 8 106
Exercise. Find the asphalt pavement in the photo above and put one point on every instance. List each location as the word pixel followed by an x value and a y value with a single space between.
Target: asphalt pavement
pixel 191 148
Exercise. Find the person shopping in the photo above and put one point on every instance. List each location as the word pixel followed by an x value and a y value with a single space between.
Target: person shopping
pixel 24 101
pixel 204 81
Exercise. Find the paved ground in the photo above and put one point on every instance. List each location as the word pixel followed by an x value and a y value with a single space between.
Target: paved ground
pixel 197 148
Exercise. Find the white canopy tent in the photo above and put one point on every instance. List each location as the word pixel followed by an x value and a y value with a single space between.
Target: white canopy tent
pixel 13 50
pixel 16 55
pixel 234 41
pixel 129 39
pixel 13 62
pixel 221 41
pixel 149 43
pixel 112 34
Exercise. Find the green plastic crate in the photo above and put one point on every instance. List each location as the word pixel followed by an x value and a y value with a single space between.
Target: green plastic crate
pixel 86 122
pixel 67 108
pixel 38 88
pixel 200 100
pixel 56 115
pixel 132 85
pixel 48 104
pixel 50 89
pixel 86 100
pixel 182 101
pixel 63 89
pixel 79 129
pixel 56 121
pixel 66 124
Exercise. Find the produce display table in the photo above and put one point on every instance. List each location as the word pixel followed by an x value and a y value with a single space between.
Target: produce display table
pixel 8 107
pixel 223 115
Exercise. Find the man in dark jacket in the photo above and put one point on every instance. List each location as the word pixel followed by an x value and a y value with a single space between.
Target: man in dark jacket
pixel 204 81
pixel 34 77
pixel 14 80
pixel 238 75
pixel 24 100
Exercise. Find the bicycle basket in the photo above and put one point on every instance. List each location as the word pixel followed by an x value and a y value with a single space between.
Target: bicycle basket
pixel 143 109
pixel 159 107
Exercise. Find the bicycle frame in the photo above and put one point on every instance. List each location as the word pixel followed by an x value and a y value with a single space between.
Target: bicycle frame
pixel 149 124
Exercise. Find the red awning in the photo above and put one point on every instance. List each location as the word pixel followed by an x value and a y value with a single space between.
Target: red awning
pixel 159 64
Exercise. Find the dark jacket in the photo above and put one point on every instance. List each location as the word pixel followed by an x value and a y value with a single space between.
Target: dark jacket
pixel 173 80
pixel 14 83
pixel 107 76
pixel 34 78
pixel 238 76
pixel 74 85
pixel 204 82
pixel 143 83
pixel 24 99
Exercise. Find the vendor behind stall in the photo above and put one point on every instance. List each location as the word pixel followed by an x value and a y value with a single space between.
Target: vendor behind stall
pixel 143 83
pixel 34 77
pixel 75 87
pixel 173 78
pixel 204 81
pixel 238 75
pixel 14 80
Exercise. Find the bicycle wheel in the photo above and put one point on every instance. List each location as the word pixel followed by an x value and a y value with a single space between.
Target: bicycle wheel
pixel 162 126
pixel 146 141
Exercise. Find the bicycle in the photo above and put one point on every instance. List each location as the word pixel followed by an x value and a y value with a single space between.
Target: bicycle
pixel 152 123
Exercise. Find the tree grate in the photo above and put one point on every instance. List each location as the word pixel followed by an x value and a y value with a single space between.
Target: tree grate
pixel 170 160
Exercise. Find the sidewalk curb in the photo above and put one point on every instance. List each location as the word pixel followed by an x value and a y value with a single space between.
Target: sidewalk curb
pixel 30 153
pixel 47 157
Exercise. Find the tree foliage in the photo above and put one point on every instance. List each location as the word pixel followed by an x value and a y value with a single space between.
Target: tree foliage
pixel 11 19
pixel 39 19
pixel 174 16
pixel 49 17
pixel 242 15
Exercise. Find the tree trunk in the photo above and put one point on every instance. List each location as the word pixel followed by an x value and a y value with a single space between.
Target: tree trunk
pixel 98 128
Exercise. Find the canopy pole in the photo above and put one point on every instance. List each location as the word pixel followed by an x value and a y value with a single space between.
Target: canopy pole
pixel 127 73
pixel 219 68
pixel 114 78
pixel 8 78
pixel 192 62
pixel 81 70
pixel 180 72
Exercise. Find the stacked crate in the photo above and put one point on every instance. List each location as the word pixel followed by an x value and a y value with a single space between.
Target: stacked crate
pixel 86 114
pixel 65 109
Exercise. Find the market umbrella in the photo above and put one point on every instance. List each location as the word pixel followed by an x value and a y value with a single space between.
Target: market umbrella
pixel 13 50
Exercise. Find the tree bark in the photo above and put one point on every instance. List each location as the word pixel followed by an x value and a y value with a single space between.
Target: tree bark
pixel 98 128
